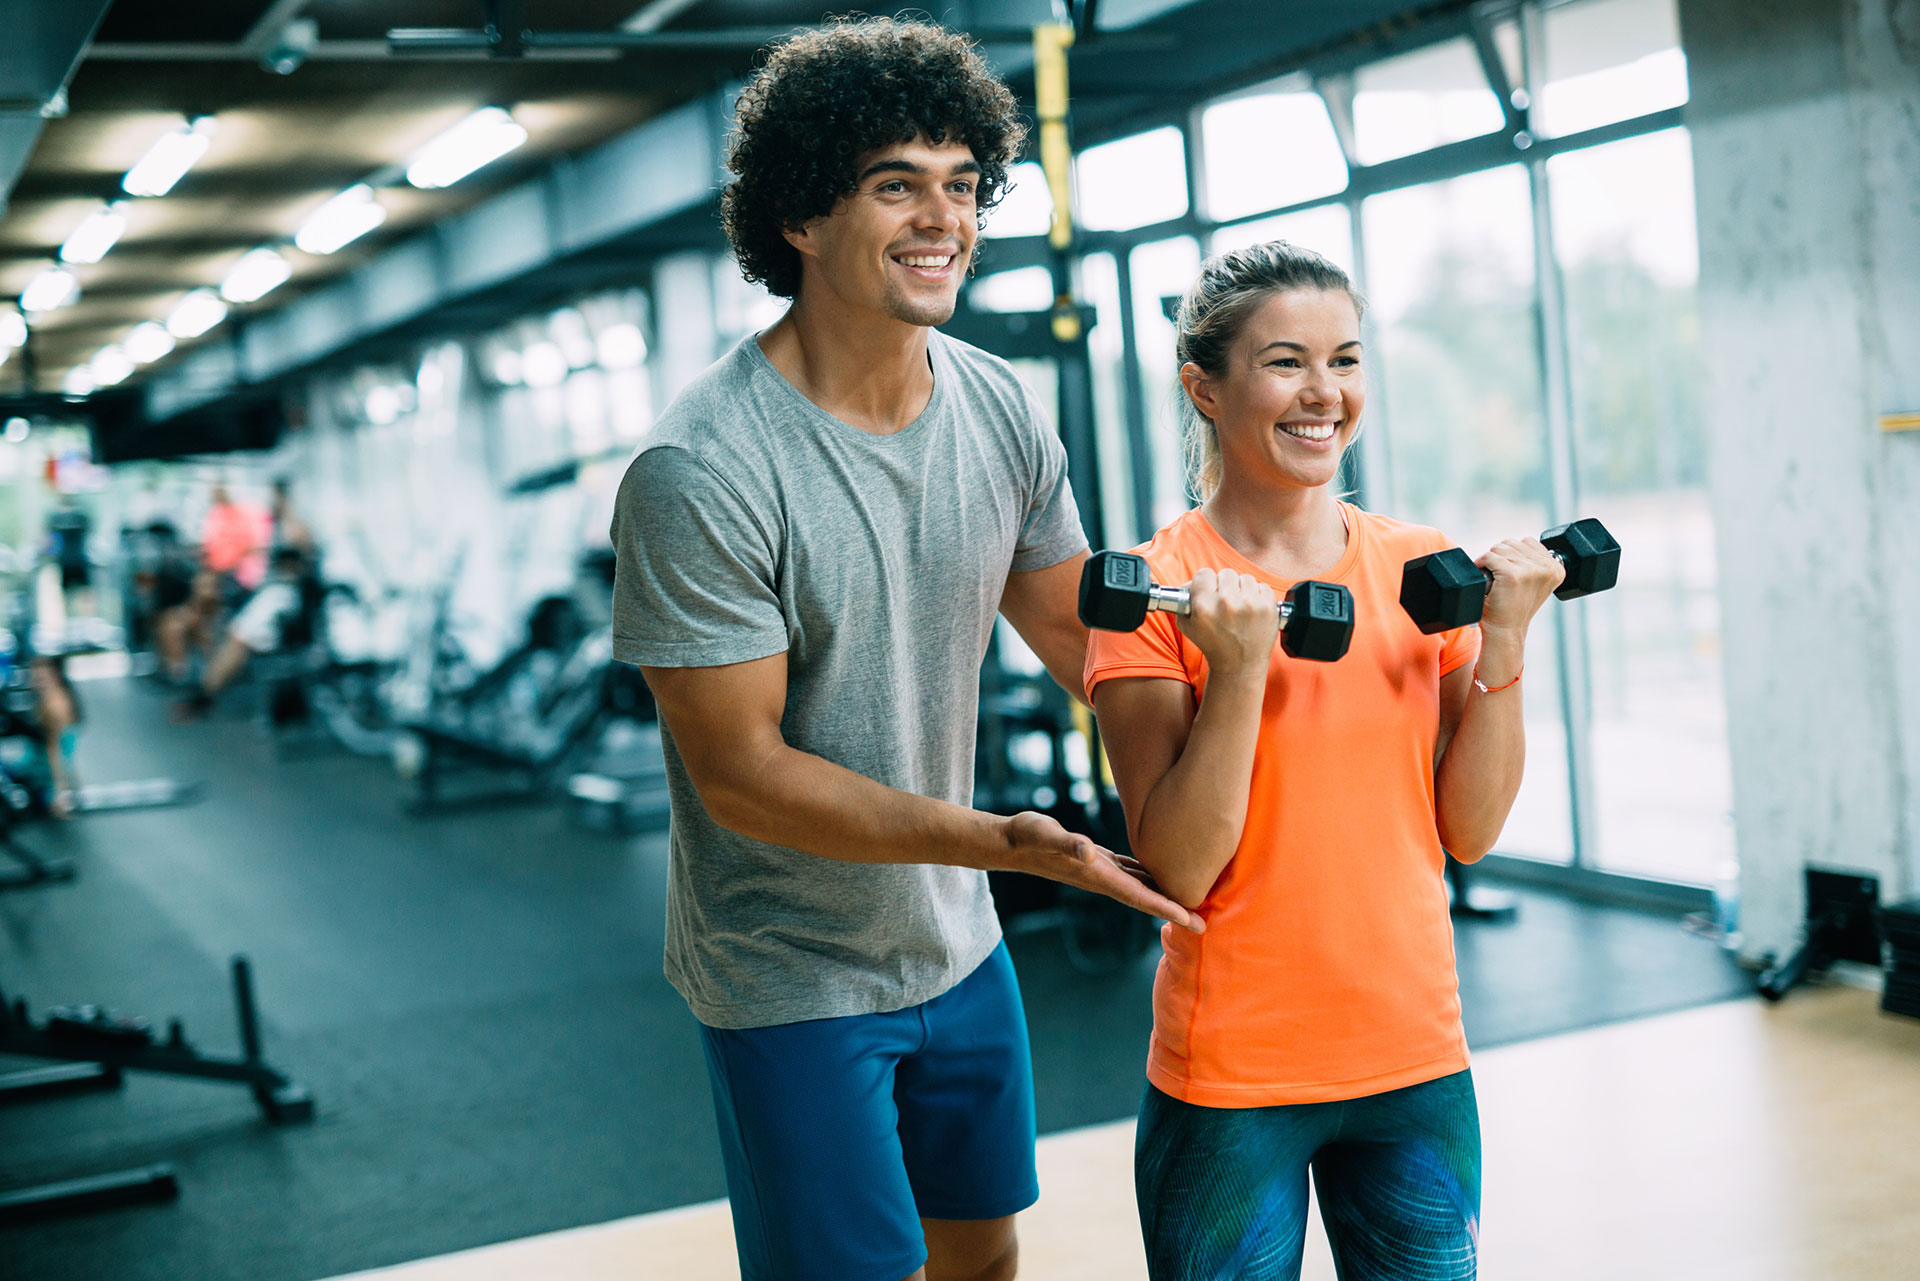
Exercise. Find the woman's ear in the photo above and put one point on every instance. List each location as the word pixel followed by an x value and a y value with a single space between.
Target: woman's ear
pixel 1199 389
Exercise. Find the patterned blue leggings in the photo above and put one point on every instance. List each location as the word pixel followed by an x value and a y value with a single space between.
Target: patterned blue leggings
pixel 1223 1191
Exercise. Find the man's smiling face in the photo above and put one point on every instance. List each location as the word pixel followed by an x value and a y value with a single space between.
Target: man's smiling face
pixel 900 243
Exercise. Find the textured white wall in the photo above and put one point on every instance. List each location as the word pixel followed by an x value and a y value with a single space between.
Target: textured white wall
pixel 1803 118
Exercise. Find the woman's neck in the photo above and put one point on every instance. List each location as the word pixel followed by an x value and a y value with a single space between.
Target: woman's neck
pixel 1291 533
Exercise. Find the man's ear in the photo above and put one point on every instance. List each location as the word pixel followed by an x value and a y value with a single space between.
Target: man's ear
pixel 802 239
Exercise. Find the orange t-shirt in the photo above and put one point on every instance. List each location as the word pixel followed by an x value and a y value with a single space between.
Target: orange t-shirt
pixel 1326 971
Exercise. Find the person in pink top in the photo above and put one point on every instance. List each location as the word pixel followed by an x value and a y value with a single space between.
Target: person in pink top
pixel 233 562
pixel 234 539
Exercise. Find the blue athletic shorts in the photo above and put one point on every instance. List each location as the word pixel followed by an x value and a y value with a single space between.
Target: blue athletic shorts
pixel 840 1135
pixel 1223 1191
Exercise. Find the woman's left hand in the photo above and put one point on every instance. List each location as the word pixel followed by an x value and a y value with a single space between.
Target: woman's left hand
pixel 1524 574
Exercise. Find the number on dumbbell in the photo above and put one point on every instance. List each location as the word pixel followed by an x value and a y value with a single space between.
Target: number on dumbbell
pixel 1117 591
pixel 1443 590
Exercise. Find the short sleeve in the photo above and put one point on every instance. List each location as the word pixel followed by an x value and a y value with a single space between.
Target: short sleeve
pixel 1458 648
pixel 1153 649
pixel 1051 531
pixel 695 577
pixel 1461 645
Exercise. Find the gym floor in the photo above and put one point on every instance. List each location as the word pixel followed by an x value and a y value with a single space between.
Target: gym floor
pixel 475 1000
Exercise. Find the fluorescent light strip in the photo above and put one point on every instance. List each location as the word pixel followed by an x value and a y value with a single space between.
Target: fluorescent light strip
pixel 258 274
pixel 343 219
pixel 78 382
pixel 13 329
pixel 96 234
pixel 198 312
pixel 147 342
pixel 52 288
pixel 109 365
pixel 479 140
pixel 168 160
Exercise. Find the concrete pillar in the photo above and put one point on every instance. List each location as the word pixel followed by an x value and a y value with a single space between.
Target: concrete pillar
pixel 1805 117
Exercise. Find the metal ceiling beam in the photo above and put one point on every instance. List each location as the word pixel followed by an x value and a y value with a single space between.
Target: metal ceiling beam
pixel 42 46
pixel 656 14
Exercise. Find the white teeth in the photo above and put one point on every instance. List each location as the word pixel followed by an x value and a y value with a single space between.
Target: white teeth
pixel 941 261
pixel 1309 431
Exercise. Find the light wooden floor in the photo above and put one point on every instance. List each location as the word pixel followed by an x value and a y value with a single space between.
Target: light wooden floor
pixel 1764 1143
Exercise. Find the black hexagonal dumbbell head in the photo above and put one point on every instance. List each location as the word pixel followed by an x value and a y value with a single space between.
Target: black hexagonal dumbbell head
pixel 1115 588
pixel 1592 557
pixel 1443 590
pixel 1319 621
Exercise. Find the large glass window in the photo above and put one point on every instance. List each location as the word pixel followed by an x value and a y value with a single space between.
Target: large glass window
pixel 1624 232
pixel 1027 207
pixel 1022 289
pixel 1423 99
pixel 1609 60
pixel 1162 272
pixel 1271 149
pixel 1327 230
pixel 1133 182
pixel 1456 386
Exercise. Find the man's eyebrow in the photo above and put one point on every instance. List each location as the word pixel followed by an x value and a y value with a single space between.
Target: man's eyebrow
pixel 1301 347
pixel 896 164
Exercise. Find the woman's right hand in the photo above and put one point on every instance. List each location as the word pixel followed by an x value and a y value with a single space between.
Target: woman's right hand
pixel 1234 622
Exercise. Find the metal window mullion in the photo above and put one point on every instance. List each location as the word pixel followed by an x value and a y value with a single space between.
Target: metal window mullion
pixel 1373 477
pixel 1569 619
pixel 1133 394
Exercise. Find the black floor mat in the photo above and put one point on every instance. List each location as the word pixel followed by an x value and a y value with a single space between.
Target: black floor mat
pixel 476 1002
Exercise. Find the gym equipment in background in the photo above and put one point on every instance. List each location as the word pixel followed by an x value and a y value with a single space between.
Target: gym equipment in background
pixel 1840 927
pixel 95 1049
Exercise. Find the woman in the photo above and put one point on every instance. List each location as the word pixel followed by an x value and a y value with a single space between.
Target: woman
pixel 1303 809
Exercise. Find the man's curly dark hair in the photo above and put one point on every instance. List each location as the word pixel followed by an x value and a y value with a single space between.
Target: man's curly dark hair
pixel 827 97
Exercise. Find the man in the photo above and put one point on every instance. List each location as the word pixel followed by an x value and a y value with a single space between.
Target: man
pixel 811 549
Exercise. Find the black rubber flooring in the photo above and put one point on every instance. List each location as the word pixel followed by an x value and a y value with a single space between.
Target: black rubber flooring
pixel 476 1002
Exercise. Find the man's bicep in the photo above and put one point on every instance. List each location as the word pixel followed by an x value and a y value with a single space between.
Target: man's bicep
pixel 1043 606
pixel 723 719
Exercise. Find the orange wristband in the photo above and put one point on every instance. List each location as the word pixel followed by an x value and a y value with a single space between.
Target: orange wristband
pixel 1485 689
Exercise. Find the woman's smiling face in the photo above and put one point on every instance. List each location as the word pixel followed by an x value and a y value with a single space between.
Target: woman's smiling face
pixel 1289 402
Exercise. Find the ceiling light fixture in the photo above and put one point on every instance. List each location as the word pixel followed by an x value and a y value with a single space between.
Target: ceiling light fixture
pixel 258 274
pixel 78 382
pixel 543 364
pixel 169 159
pixel 198 312
pixel 17 429
pixel 621 346
pixel 147 342
pixel 53 287
pixel 109 365
pixel 96 234
pixel 480 139
pixel 13 329
pixel 343 219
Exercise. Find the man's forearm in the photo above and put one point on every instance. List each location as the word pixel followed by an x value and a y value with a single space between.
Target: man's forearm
pixel 793 798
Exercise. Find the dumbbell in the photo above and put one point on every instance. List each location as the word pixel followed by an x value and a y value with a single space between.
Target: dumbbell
pixel 1117 591
pixel 1444 590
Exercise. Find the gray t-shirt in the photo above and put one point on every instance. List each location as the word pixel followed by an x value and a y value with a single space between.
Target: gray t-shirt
pixel 754 522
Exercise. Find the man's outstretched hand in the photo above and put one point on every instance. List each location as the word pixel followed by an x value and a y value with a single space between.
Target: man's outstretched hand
pixel 1041 846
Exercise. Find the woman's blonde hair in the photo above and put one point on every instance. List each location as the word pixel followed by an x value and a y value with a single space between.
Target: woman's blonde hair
pixel 1230 289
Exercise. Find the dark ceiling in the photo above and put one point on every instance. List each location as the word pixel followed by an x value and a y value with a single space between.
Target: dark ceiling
pixel 285 143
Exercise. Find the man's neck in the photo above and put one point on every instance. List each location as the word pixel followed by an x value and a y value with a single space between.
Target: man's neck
pixel 865 368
